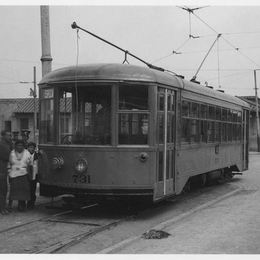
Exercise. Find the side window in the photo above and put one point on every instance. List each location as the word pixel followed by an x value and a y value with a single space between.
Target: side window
pixel 211 131
pixel 185 137
pixel 218 113
pixel 209 124
pixel 203 123
pixel 190 122
pixel 224 114
pixel 203 131
pixel 212 112
pixel 185 133
pixel 218 132
pixel 204 111
pixel 185 108
pixel 194 110
pixel 170 114
pixel 133 115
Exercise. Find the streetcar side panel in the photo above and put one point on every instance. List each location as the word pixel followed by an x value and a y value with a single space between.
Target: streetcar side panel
pixel 210 138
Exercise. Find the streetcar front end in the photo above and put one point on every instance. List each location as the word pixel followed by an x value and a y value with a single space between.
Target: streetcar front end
pixel 96 138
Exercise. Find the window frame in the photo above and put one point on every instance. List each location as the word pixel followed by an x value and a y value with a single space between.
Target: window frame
pixel 119 112
pixel 223 123
pixel 54 113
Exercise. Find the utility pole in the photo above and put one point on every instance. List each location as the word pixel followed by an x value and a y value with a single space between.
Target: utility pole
pixel 257 114
pixel 46 45
pixel 34 105
pixel 33 93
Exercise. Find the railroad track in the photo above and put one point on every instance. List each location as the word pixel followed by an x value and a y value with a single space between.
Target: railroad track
pixel 58 231
pixel 42 219
pixel 55 248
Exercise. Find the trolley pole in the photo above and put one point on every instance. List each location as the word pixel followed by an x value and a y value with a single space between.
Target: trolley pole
pixel 257 114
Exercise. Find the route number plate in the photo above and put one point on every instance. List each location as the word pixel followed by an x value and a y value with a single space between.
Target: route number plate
pixel 82 178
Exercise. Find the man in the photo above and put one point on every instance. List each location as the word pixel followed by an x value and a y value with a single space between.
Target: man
pixel 5 149
pixel 25 136
pixel 33 183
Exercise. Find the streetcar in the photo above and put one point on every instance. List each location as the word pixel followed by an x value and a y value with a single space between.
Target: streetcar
pixel 125 131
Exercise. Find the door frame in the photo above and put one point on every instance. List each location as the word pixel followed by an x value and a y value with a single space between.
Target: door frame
pixel 166 186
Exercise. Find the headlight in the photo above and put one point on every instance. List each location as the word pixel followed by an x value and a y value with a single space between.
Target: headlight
pixel 143 157
pixel 81 165
pixel 57 162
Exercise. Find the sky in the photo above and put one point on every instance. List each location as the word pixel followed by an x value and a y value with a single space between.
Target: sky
pixel 152 32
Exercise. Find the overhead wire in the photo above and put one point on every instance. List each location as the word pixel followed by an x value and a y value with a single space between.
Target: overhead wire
pixel 233 74
pixel 220 50
pixel 173 52
pixel 11 83
pixel 183 44
pixel 29 61
pixel 238 33
pixel 216 69
pixel 162 58
pixel 227 41
pixel 201 51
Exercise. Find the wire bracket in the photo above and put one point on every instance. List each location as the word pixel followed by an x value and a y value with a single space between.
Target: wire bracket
pixel 125 60
pixel 175 52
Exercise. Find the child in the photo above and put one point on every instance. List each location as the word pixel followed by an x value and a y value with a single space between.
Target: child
pixel 34 178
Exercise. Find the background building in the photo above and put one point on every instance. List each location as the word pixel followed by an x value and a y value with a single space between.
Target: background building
pixel 252 127
pixel 17 114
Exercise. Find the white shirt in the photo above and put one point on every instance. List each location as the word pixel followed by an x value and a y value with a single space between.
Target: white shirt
pixel 19 162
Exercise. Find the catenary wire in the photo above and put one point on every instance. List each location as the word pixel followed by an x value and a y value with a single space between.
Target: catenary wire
pixel 227 41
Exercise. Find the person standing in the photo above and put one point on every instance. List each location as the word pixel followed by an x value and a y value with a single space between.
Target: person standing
pixel 33 183
pixel 5 149
pixel 20 162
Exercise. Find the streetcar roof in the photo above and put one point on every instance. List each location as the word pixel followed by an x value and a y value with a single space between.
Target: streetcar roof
pixel 127 72
pixel 108 71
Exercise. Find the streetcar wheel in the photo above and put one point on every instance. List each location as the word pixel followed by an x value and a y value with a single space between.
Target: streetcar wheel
pixel 187 187
pixel 229 176
pixel 203 180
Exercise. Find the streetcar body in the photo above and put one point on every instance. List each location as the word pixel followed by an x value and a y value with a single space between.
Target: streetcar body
pixel 117 130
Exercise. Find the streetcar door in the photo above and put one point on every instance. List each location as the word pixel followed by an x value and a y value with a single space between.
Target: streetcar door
pixel 245 136
pixel 166 129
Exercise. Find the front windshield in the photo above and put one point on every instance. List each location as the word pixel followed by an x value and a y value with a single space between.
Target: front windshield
pixel 85 115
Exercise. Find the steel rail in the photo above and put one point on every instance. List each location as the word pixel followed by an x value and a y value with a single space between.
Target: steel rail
pixel 61 245
pixel 44 219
